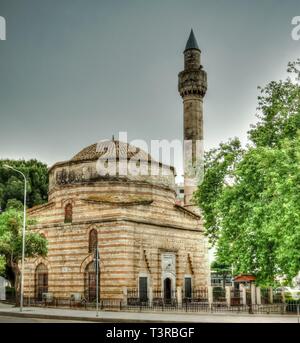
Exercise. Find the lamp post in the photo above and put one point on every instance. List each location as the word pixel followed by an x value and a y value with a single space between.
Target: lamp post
pixel 97 279
pixel 23 235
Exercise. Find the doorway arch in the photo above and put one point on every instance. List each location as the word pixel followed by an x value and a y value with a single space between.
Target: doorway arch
pixel 90 282
pixel 41 281
pixel 167 290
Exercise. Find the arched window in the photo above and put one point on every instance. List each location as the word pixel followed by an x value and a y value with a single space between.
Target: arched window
pixel 90 282
pixel 41 281
pixel 93 240
pixel 68 213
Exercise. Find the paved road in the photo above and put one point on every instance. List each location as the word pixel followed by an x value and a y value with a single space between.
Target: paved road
pixel 5 319
pixel 76 316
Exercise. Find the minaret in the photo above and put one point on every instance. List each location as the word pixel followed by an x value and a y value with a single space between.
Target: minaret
pixel 192 85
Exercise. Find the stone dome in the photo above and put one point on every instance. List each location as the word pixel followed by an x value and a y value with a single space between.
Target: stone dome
pixel 111 149
pixel 83 168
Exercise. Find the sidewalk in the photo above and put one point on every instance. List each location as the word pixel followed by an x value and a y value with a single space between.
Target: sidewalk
pixel 121 317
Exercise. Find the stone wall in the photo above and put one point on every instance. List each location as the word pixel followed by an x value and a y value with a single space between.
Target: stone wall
pixel 136 223
pixel 126 250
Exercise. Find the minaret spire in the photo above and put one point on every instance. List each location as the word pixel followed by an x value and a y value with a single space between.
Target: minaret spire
pixel 192 42
pixel 192 85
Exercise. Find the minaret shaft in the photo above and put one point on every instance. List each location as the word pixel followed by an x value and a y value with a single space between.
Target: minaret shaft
pixel 192 85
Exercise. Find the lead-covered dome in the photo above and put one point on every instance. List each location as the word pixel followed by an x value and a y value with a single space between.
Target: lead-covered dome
pixel 111 149
pixel 91 165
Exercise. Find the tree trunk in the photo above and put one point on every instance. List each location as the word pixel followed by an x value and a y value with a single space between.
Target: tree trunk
pixel 16 271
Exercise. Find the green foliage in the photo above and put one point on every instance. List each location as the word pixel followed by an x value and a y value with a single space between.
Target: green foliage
pixel 2 265
pixel 10 292
pixel 219 166
pixel 278 110
pixel 292 297
pixel 254 220
pixel 14 204
pixel 220 267
pixel 11 223
pixel 12 184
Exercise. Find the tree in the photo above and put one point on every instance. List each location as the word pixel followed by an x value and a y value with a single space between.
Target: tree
pixel 11 222
pixel 254 219
pixel 14 204
pixel 219 166
pixel 2 265
pixel 12 184
pixel 223 269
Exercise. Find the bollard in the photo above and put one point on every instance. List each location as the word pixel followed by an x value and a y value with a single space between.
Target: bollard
pixel 228 295
pixel 244 295
pixel 150 296
pixel 210 297
pixel 271 295
pixel 258 296
pixel 253 294
pixel 179 297
pixel 125 296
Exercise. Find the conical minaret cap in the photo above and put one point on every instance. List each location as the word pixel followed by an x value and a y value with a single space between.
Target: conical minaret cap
pixel 192 42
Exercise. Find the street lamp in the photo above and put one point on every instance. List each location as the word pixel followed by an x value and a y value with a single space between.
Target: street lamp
pixel 23 234
pixel 97 279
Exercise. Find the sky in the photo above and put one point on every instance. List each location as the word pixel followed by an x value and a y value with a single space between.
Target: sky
pixel 73 72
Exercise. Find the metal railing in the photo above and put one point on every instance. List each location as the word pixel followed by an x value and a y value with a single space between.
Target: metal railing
pixel 198 300
pixel 104 304
pixel 289 307
pixel 236 297
pixel 219 295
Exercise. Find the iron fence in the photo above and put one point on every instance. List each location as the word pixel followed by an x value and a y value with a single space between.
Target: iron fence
pixel 292 306
pixel 160 298
pixel 289 307
pixel 248 296
pixel 277 298
pixel 236 297
pixel 197 296
pixel 265 296
pixel 195 300
pixel 104 304
pixel 132 293
pixel 219 295
pixel 135 299
pixel 203 307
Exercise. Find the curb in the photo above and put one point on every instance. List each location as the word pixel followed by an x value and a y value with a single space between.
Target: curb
pixel 86 319
pixel 112 320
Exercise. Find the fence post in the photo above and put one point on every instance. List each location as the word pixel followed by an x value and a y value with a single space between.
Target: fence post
pixel 228 295
pixel 210 296
pixel 244 295
pixel 283 302
pixel 125 296
pixel 258 296
pixel 283 296
pixel 252 288
pixel 271 295
pixel 179 297
pixel 150 296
